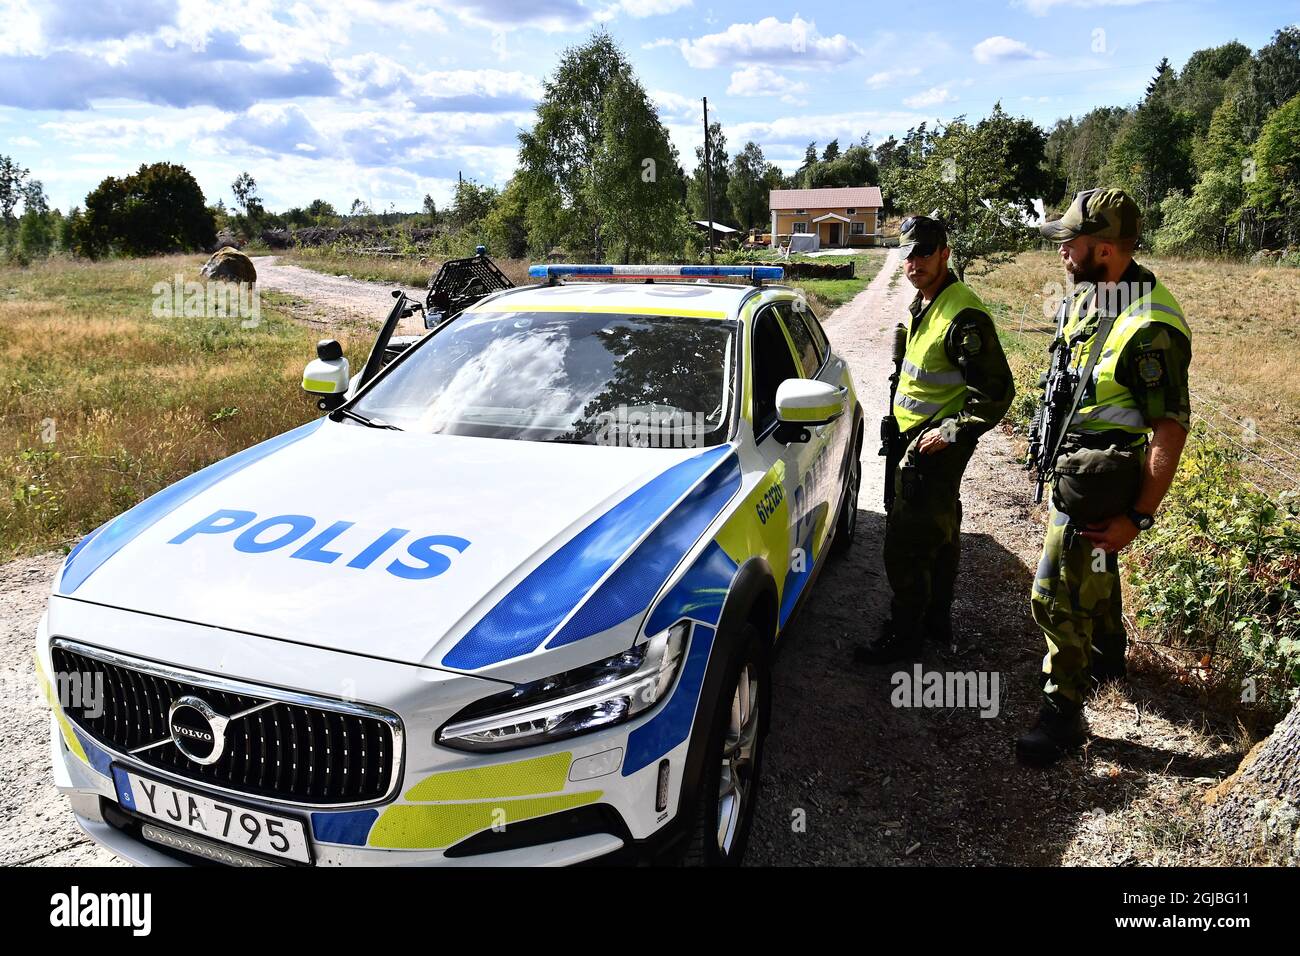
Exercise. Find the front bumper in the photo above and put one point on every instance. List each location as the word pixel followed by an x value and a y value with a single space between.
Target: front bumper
pixel 566 803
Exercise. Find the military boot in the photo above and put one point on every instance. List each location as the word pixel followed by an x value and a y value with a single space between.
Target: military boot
pixel 938 627
pixel 1060 728
pixel 896 643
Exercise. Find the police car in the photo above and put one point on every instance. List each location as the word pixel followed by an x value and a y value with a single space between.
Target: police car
pixel 514 600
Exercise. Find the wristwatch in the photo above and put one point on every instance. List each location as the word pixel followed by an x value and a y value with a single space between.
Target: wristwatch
pixel 1143 522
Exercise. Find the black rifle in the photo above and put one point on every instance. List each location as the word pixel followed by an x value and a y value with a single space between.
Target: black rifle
pixel 1054 408
pixel 891 447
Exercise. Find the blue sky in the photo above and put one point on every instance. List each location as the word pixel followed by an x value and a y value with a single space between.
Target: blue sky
pixel 387 101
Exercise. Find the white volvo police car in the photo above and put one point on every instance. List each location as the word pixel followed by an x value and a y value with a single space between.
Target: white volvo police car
pixel 513 602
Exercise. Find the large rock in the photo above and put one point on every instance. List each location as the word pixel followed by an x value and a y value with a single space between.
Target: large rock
pixel 277 238
pixel 231 265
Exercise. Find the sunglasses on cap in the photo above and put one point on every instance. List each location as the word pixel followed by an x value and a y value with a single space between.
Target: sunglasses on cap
pixel 922 250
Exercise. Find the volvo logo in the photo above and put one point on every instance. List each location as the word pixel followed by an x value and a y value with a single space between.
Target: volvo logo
pixel 198 731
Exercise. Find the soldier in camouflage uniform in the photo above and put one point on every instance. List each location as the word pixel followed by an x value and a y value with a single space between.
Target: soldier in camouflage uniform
pixel 1137 400
pixel 954 386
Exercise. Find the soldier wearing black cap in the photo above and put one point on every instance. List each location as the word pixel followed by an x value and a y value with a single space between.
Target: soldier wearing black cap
pixel 953 386
pixel 1120 451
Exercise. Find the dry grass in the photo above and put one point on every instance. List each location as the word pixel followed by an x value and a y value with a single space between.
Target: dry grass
pixel 410 271
pixel 102 404
pixel 1245 342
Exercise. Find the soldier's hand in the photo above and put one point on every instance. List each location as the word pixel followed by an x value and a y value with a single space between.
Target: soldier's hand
pixel 1112 536
pixel 931 442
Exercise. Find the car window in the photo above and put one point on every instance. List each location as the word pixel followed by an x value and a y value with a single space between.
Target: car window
pixel 815 327
pixel 656 381
pixel 804 344
pixel 773 364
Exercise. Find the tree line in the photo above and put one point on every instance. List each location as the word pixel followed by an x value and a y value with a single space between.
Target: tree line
pixel 1211 153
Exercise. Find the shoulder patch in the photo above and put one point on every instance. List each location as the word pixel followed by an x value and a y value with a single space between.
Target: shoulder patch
pixel 1151 366
pixel 969 340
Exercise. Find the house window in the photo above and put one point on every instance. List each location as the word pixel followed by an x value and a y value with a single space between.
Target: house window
pixel 801 212
pixel 799 228
pixel 851 212
pixel 857 229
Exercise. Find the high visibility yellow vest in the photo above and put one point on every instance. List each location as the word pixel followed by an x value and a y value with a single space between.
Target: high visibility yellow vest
pixel 1109 405
pixel 930 386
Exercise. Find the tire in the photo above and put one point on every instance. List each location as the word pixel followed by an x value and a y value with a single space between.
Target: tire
pixel 724 807
pixel 846 522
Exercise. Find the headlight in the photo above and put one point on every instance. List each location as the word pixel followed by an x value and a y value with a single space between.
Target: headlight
pixel 598 695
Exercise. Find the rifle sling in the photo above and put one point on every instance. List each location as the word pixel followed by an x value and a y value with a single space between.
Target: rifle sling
pixel 1098 344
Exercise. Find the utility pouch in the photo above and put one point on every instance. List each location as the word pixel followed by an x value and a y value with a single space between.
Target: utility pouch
pixel 1096 483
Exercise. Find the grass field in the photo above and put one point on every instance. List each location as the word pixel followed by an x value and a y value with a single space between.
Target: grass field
pixel 1245 345
pixel 102 403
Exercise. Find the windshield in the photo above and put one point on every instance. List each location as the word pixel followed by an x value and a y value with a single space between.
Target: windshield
pixel 600 379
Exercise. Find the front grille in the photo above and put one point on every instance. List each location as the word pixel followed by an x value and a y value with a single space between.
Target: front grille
pixel 295 752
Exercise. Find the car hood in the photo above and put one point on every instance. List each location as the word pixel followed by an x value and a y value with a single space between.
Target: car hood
pixel 440 550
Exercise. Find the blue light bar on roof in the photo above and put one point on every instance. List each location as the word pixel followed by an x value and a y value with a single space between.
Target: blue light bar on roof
pixel 578 271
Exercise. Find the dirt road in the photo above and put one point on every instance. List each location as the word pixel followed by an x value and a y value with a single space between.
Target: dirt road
pixel 322 299
pixel 849 778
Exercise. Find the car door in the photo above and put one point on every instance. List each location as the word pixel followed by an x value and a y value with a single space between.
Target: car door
pixel 820 482
pixel 774 361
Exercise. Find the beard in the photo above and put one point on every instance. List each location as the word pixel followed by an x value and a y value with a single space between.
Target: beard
pixel 1087 269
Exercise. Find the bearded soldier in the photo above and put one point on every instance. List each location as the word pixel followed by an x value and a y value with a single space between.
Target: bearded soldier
pixel 1129 347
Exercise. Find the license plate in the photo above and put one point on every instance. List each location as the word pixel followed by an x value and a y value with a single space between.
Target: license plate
pixel 249 829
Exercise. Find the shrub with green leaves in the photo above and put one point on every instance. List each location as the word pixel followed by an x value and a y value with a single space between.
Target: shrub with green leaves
pixel 1218 575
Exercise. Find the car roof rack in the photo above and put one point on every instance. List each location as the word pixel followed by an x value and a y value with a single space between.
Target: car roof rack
pixel 555 273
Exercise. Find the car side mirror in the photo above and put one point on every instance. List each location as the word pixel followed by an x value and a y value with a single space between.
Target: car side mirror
pixel 805 403
pixel 326 379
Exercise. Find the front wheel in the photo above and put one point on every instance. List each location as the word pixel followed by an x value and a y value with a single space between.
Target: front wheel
pixel 724 807
pixel 846 524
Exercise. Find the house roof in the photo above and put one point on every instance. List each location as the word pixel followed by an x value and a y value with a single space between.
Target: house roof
pixel 846 196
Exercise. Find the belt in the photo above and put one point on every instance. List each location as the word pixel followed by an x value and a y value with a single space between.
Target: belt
pixel 1106 439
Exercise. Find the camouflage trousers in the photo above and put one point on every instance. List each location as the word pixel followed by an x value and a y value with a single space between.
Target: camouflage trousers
pixel 923 534
pixel 1076 601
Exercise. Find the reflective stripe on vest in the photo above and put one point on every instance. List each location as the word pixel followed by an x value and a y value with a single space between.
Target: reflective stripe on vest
pixel 1109 405
pixel 930 386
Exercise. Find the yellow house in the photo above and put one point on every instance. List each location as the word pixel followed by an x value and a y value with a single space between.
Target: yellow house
pixel 840 217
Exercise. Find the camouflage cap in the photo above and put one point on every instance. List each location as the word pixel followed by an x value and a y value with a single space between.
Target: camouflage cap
pixel 1104 213
pixel 923 231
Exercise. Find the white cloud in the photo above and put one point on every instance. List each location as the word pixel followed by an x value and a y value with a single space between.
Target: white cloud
pixel 796 45
pixel 26 141
pixel 22 33
pixel 1000 49
pixel 757 81
pixel 889 77
pixel 370 76
pixel 934 96
pixel 656 44
pixel 675 105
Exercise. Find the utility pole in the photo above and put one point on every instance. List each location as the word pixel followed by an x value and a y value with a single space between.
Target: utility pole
pixel 708 180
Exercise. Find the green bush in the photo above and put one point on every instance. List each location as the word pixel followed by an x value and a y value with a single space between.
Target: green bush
pixel 1217 575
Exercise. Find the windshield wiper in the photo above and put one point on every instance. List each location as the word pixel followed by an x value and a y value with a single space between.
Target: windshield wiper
pixel 368 422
